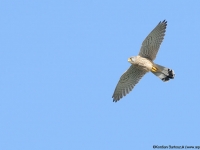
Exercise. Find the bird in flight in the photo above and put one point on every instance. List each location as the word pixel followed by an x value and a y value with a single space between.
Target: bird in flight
pixel 143 63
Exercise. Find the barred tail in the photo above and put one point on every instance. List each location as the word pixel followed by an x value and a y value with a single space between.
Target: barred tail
pixel 165 74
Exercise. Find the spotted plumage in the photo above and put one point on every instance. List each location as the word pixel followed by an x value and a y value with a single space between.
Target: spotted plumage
pixel 143 63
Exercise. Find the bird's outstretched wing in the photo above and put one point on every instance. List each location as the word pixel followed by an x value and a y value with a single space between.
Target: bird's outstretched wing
pixel 127 81
pixel 151 44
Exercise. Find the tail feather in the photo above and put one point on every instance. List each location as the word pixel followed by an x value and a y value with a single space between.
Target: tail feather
pixel 165 74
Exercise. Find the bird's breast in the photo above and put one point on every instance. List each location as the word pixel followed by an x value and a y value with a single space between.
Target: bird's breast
pixel 143 63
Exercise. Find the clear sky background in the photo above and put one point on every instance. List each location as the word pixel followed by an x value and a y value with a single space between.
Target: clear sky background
pixel 61 60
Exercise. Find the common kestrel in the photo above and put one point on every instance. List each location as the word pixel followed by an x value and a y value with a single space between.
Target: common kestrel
pixel 143 63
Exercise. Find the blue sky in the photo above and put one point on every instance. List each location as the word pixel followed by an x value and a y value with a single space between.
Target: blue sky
pixel 61 60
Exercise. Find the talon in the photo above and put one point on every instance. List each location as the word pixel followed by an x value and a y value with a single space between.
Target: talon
pixel 154 69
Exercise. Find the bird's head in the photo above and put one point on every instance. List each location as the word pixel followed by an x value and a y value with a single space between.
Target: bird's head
pixel 132 59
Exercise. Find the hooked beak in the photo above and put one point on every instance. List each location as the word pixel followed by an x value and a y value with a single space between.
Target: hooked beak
pixel 129 59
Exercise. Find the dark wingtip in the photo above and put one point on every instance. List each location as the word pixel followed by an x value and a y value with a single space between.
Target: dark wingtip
pixel 164 21
pixel 115 99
